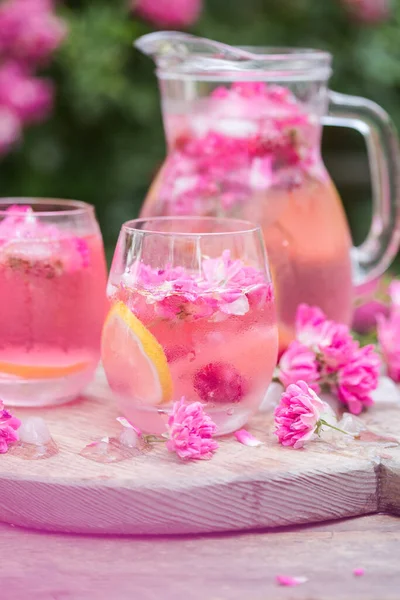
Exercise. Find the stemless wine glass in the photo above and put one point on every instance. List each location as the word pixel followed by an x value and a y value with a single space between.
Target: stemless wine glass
pixel 52 304
pixel 192 314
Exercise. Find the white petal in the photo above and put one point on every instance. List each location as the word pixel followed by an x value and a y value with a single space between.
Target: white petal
pixel 237 307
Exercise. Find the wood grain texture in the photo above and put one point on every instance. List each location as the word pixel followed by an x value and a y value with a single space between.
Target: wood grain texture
pixel 241 488
pixel 208 567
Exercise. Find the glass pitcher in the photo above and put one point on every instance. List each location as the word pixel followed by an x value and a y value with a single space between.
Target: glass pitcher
pixel 243 129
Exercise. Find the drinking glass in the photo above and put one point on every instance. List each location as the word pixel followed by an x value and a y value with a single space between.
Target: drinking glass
pixel 52 303
pixel 192 315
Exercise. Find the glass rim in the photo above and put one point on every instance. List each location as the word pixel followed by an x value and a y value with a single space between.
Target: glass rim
pixel 66 207
pixel 260 63
pixel 243 226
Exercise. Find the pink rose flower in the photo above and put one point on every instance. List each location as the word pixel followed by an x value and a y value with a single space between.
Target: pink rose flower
pixel 332 341
pixel 358 378
pixel 8 428
pixel 310 325
pixel 28 97
pixel 389 340
pixel 337 346
pixel 297 416
pixel 299 363
pixel 169 13
pixel 190 431
pixel 224 285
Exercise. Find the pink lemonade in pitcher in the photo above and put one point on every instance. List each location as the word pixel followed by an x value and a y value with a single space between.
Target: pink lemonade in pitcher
pixel 208 334
pixel 252 151
pixel 243 128
pixel 52 305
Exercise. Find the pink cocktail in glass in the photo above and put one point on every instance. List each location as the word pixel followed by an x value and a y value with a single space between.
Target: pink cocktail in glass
pixel 52 305
pixel 192 314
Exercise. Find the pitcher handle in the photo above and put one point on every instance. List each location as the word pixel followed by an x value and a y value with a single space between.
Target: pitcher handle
pixel 378 250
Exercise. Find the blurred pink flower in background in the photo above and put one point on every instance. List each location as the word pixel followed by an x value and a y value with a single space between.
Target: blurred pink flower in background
pixel 372 300
pixel 29 29
pixel 369 11
pixel 30 98
pixel 29 33
pixel 169 13
pixel 389 342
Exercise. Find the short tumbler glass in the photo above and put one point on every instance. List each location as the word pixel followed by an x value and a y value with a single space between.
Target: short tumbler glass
pixel 52 304
pixel 192 315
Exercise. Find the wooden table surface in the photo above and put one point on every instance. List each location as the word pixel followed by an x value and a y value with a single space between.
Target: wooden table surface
pixel 41 566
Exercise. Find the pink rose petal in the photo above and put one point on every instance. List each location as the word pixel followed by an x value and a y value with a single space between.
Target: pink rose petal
pixel 288 581
pixel 358 572
pixel 246 438
pixel 125 423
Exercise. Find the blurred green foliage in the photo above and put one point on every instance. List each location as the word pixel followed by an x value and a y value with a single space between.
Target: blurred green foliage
pixel 104 140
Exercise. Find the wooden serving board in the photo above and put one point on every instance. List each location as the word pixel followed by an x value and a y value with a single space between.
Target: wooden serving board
pixel 156 493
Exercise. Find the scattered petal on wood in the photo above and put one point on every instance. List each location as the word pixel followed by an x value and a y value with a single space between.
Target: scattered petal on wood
pixel 290 581
pixel 371 436
pixel 246 438
pixel 358 572
pixel 125 423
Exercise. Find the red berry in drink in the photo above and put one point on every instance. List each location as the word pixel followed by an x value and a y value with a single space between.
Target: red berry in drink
pixel 219 382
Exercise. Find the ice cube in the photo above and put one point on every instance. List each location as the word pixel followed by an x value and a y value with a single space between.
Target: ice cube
pixel 29 250
pixel 34 430
pixel 351 424
pixel 35 441
pixel 129 437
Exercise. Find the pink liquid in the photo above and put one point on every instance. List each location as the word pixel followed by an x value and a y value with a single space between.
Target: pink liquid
pixel 225 361
pixel 308 244
pixel 52 308
pixel 253 152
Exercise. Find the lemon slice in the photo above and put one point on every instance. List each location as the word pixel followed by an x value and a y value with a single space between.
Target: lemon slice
pixel 134 362
pixel 41 371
